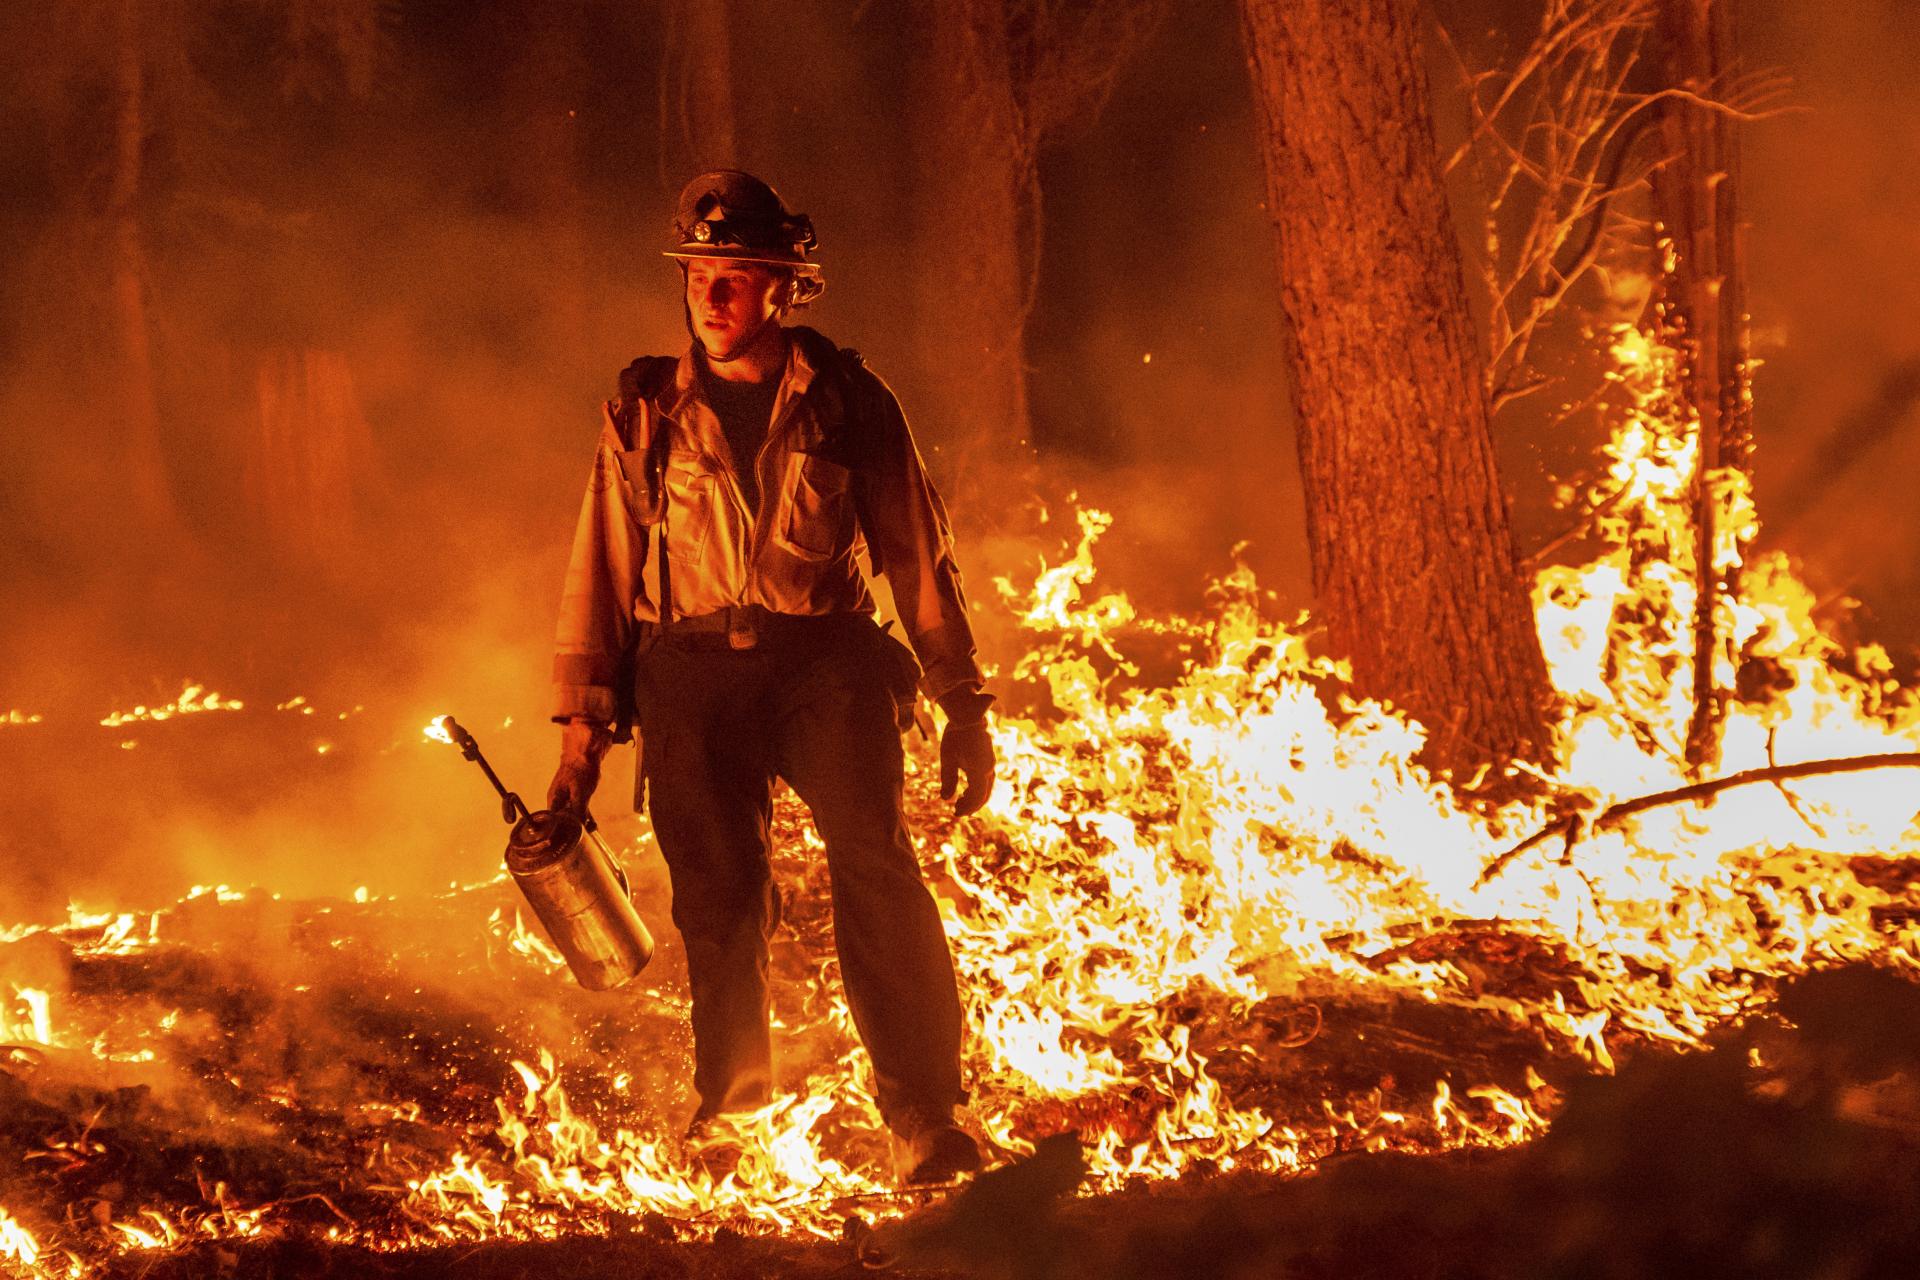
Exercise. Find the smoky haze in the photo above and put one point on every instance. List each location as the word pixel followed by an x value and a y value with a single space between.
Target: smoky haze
pixel 389 273
pixel 1836 302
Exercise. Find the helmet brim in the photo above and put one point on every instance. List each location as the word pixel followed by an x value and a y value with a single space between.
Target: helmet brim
pixel 734 253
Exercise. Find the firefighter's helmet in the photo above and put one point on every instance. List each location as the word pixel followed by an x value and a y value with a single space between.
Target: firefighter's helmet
pixel 732 215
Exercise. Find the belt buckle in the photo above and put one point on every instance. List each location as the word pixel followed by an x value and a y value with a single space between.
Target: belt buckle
pixel 740 632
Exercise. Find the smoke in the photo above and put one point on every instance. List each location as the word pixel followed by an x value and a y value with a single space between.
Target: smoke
pixel 1830 194
pixel 1159 381
pixel 382 322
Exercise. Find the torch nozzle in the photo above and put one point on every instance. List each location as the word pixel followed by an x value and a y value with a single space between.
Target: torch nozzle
pixel 461 738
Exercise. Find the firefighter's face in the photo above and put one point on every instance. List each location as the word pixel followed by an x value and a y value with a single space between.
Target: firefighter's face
pixel 731 302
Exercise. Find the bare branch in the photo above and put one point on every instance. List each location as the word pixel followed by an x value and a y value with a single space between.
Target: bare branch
pixel 1574 824
pixel 1562 122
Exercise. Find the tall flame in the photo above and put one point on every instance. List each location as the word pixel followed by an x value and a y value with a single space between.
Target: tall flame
pixel 1176 878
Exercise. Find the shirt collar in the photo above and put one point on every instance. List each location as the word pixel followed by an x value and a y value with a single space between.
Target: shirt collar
pixel 794 379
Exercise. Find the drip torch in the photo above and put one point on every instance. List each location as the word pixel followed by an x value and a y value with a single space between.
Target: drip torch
pixel 572 881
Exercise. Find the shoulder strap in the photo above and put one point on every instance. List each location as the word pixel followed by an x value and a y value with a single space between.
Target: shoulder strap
pixel 856 395
pixel 645 379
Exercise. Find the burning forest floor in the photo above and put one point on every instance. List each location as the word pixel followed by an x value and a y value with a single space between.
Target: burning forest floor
pixel 253 1087
pixel 1239 973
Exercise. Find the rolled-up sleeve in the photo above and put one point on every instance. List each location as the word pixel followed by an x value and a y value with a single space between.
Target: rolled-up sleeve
pixel 911 543
pixel 593 647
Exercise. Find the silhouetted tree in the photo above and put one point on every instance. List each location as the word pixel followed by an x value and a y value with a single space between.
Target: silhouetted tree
pixel 137 57
pixel 1703 313
pixel 543 163
pixel 996 80
pixel 698 131
pixel 1553 147
pixel 149 495
pixel 1604 152
pixel 1412 556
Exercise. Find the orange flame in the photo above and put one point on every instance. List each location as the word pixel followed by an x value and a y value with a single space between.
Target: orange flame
pixel 1251 836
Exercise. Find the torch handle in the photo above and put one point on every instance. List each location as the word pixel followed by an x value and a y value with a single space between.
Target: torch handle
pixel 512 808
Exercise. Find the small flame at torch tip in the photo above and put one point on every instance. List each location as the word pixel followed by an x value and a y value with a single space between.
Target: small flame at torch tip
pixel 436 730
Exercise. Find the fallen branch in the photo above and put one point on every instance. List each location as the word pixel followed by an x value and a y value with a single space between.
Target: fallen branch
pixel 1773 773
pixel 1572 826
pixel 1566 827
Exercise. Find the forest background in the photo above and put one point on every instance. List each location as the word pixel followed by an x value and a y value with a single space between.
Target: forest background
pixel 385 259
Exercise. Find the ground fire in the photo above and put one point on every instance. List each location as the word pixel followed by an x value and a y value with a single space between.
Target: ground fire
pixel 1396 605
pixel 1219 921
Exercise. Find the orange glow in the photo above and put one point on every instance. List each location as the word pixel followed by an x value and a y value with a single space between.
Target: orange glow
pixel 1249 836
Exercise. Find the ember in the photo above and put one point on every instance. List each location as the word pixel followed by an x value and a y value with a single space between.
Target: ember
pixel 1580 879
pixel 1177 927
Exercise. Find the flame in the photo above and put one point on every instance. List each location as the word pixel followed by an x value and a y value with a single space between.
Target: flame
pixel 31 1020
pixel 299 704
pixel 436 730
pixel 20 717
pixel 1178 878
pixel 527 943
pixel 194 698
pixel 16 1242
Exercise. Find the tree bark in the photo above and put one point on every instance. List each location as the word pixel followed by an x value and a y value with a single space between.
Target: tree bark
pixel 545 168
pixel 975 204
pixel 697 100
pixel 311 467
pixel 1412 555
pixel 135 415
pixel 1703 311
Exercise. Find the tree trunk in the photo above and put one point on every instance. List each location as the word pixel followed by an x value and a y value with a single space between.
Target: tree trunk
pixel 135 413
pixel 1703 313
pixel 1407 526
pixel 544 171
pixel 311 467
pixel 697 100
pixel 975 205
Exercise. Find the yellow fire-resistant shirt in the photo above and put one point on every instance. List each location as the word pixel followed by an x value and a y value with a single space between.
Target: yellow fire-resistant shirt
pixel 838 473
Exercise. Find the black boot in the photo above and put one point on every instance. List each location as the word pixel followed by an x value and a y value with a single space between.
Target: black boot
pixel 713 1142
pixel 930 1148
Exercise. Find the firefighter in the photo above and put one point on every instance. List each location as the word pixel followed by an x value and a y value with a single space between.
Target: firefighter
pixel 716 612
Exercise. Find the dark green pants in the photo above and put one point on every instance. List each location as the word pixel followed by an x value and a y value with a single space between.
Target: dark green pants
pixel 812 703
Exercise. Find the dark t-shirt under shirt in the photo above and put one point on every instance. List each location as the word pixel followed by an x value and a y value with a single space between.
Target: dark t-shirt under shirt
pixel 745 410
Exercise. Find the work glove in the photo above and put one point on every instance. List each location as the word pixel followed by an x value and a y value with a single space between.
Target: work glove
pixel 583 743
pixel 966 749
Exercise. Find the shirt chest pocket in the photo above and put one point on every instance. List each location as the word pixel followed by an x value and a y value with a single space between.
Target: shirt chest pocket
pixel 818 521
pixel 685 501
